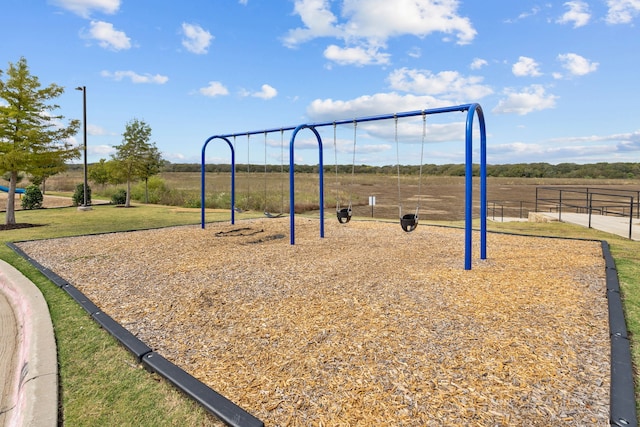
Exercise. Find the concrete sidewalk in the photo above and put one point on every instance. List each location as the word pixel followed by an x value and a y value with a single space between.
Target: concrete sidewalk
pixel 28 357
pixel 609 224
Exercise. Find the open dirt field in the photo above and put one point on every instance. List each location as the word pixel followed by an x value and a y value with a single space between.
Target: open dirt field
pixel 368 326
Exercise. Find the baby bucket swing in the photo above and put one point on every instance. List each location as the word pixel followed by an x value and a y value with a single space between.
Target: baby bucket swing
pixel 409 222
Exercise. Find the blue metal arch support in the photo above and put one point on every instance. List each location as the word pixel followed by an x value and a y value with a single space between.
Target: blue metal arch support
pixel 233 179
pixel 475 109
pixel 292 193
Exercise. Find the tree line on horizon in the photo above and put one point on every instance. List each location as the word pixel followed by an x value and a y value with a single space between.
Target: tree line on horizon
pixel 603 170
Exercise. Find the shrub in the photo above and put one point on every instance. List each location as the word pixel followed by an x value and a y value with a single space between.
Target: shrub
pixel 78 195
pixel 156 188
pixel 119 197
pixel 32 198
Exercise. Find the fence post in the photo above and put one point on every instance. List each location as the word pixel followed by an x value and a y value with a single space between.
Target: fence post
pixel 631 218
pixel 560 206
pixel 590 201
pixel 520 209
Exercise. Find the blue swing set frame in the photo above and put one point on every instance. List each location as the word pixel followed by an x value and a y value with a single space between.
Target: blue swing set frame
pixel 471 110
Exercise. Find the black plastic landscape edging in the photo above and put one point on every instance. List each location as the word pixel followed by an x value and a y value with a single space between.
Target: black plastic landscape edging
pixel 622 401
pixel 216 404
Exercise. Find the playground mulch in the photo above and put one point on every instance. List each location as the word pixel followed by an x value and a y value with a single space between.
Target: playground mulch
pixel 368 326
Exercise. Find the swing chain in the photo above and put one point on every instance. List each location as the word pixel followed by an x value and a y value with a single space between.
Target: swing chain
pixel 395 119
pixel 424 135
pixel 335 151
pixel 353 162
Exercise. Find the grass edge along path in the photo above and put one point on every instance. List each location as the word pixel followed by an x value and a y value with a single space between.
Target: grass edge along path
pixel 101 383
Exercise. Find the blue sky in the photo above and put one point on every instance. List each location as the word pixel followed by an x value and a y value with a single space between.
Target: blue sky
pixel 557 81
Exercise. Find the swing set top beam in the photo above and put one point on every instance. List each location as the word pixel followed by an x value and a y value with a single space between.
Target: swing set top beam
pixel 461 108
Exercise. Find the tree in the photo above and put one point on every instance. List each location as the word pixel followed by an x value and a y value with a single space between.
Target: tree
pixel 31 135
pixel 133 154
pixel 151 165
pixel 115 172
pixel 40 173
pixel 98 173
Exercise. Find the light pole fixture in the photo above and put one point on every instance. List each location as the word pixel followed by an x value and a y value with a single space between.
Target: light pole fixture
pixel 84 131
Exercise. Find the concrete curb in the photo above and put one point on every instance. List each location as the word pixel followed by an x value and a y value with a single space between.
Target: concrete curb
pixel 34 391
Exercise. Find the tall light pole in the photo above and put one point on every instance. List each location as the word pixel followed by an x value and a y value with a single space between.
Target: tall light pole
pixel 84 131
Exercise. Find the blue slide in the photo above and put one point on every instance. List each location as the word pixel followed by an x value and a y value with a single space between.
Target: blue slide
pixel 6 189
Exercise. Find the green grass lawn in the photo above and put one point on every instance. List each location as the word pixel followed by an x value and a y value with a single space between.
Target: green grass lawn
pixel 102 384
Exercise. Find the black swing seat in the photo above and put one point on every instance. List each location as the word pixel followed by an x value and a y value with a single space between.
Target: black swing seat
pixel 270 215
pixel 409 222
pixel 344 215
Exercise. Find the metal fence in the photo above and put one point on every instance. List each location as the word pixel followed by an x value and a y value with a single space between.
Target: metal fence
pixel 591 201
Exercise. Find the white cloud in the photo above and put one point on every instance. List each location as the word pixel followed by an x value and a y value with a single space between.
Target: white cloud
pixel 410 130
pixel 181 158
pixel 576 64
pixel 628 141
pixel 85 7
pixel 517 152
pixel 135 77
pixel 526 67
pixel 96 130
pixel 100 150
pixel 370 105
pixel 578 13
pixel 243 2
pixel 622 11
pixel 318 19
pixel 214 89
pixel 197 39
pixel 266 92
pixel 381 19
pixel 524 15
pixel 447 84
pixel 355 55
pixel 368 24
pixel 107 36
pixel 532 98
pixel 415 52
pixel 478 63
pixel 624 142
pixel 615 147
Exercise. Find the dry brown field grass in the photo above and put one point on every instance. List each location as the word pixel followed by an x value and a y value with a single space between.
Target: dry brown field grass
pixel 441 198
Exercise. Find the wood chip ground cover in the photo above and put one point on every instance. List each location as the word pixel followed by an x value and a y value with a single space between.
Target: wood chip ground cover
pixel 368 326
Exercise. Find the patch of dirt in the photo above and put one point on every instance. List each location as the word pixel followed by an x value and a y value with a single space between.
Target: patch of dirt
pixel 47 202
